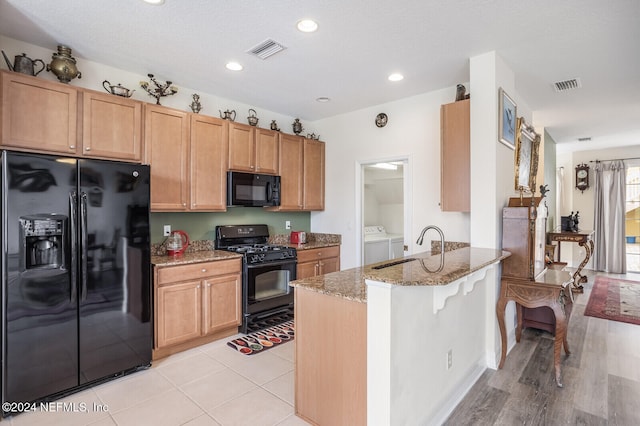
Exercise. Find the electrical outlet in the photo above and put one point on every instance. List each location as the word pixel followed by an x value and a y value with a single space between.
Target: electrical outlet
pixel 287 224
pixel 449 359
pixel 167 230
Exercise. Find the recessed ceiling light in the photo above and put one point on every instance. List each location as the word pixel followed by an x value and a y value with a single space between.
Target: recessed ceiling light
pixel 154 2
pixel 395 77
pixel 234 66
pixel 307 25
pixel 323 99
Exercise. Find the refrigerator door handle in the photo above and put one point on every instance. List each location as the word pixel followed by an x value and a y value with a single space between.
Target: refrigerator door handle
pixel 73 202
pixel 84 243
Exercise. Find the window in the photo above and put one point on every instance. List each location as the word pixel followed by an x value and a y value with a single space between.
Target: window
pixel 632 218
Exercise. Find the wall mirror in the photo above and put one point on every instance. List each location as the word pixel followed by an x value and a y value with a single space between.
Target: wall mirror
pixel 527 144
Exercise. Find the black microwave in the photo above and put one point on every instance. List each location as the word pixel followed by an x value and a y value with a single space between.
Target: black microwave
pixel 252 190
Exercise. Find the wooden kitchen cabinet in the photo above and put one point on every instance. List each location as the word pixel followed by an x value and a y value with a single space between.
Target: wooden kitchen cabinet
pixel 111 127
pixel 252 149
pixel 207 164
pixel 320 261
pixel 38 115
pixel 313 175
pixel 455 157
pixel 187 156
pixel 167 151
pixel 196 303
pixel 55 118
pixel 219 310
pixel 302 163
pixel 291 185
pixel 179 309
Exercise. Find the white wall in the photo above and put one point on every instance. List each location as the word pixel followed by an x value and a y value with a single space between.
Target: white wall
pixel 413 131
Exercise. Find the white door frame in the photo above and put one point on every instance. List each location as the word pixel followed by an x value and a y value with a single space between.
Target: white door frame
pixel 407 195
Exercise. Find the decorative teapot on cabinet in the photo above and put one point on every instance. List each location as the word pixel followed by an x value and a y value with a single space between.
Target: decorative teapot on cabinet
pixel 228 115
pixel 117 90
pixel 252 118
pixel 63 65
pixel 23 64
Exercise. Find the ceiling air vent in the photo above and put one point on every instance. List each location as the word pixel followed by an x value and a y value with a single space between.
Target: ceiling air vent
pixel 585 139
pixel 266 48
pixel 562 86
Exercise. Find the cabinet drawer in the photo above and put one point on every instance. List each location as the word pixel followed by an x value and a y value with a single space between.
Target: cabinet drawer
pixel 320 253
pixel 198 271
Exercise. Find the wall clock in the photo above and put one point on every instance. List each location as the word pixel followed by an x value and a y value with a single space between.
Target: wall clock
pixel 582 177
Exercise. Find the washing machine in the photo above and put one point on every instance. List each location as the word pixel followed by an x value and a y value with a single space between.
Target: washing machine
pixel 380 246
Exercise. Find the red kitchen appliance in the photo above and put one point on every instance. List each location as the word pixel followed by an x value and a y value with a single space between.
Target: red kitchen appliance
pixel 298 237
pixel 177 243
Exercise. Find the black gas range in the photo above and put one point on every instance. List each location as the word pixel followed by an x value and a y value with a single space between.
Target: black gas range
pixel 267 269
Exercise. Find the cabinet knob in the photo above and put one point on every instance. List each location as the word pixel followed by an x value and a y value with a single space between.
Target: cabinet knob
pixel 184 204
pixel 203 270
pixel 88 148
pixel 208 284
pixel 198 286
pixel 72 147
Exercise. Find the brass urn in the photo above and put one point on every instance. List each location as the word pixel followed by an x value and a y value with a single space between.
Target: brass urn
pixel 63 65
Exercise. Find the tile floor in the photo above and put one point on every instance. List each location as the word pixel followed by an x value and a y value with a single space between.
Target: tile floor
pixel 208 385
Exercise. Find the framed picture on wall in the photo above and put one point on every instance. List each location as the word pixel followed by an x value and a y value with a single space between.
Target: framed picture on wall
pixel 507 119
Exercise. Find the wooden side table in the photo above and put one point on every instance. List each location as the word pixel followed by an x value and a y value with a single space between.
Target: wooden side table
pixel 584 239
pixel 551 289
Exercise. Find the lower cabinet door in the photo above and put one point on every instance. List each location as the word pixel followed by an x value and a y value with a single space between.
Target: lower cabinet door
pixel 221 301
pixel 306 270
pixel 328 265
pixel 179 314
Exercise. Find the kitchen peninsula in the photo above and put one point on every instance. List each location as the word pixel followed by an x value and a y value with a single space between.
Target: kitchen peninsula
pixel 390 343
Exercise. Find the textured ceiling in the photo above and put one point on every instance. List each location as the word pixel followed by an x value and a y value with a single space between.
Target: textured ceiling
pixel 357 45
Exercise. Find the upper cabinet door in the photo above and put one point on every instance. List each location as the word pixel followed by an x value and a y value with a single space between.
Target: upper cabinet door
pixel 241 147
pixel 291 187
pixel 112 127
pixel 455 155
pixel 38 115
pixel 167 151
pixel 208 165
pixel 313 169
pixel 267 151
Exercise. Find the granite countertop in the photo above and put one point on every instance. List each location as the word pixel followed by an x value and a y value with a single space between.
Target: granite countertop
pixel 312 245
pixel 350 284
pixel 314 240
pixel 193 257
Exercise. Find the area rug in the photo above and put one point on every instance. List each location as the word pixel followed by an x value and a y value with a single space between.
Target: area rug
pixel 260 341
pixel 615 300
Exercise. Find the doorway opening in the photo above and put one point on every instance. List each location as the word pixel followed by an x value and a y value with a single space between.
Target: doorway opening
pixel 384 218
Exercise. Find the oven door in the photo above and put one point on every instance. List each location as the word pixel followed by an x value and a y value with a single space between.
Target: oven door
pixel 266 286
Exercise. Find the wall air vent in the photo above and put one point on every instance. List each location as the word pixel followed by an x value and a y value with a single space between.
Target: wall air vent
pixel 266 49
pixel 563 86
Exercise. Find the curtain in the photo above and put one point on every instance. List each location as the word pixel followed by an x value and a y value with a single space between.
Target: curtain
pixel 560 207
pixel 609 217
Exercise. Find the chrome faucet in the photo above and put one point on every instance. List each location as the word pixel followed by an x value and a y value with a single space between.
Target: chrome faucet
pixel 421 237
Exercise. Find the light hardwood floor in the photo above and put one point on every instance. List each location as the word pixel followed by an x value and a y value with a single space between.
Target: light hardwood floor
pixel 601 377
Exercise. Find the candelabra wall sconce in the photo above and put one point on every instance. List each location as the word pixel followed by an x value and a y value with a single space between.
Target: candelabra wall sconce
pixel 158 90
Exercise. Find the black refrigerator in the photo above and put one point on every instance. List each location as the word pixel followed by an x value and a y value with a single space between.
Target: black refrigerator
pixel 76 284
